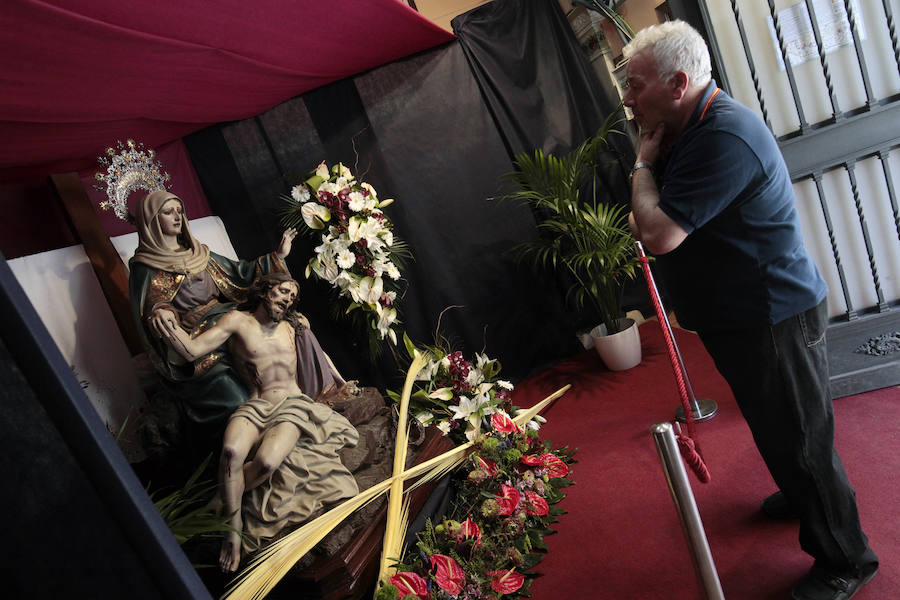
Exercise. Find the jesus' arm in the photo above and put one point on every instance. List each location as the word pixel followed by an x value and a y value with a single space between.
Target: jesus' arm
pixel 193 348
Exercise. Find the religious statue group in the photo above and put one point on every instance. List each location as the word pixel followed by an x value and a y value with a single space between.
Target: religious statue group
pixel 230 345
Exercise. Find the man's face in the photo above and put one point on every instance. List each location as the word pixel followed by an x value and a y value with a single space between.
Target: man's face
pixel 650 100
pixel 280 298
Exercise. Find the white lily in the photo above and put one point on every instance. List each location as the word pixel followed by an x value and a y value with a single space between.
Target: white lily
pixel 386 316
pixel 360 228
pixel 464 409
pixel 344 280
pixel 427 373
pixel 475 377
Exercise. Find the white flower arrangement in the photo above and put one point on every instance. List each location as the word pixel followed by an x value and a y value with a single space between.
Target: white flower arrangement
pixel 457 396
pixel 358 250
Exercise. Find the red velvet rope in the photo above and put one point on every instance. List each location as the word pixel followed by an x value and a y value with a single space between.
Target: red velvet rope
pixel 687 444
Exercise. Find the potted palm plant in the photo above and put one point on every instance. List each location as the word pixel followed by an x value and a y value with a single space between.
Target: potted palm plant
pixel 583 234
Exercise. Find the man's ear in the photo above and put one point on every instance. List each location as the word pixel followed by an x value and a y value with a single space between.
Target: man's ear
pixel 679 84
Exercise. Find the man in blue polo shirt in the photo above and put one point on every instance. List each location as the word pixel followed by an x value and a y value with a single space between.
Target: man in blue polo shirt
pixel 712 198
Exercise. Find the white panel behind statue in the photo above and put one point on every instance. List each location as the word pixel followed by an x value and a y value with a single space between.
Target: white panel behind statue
pixel 65 293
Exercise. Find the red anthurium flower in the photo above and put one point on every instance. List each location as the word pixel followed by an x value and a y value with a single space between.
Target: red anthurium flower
pixel 506 581
pixel 509 499
pixel 469 529
pixel 535 504
pixel 410 583
pixel 532 461
pixel 487 466
pixel 501 422
pixel 449 575
pixel 554 465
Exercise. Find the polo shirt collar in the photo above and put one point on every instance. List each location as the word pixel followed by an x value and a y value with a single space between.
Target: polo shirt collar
pixel 698 110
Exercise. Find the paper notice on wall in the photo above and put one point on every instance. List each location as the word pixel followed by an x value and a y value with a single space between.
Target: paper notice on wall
pixel 797 30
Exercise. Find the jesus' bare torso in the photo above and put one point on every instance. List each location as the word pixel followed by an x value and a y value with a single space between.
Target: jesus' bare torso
pixel 266 359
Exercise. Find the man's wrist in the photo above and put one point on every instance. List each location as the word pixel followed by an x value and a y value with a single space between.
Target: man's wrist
pixel 639 165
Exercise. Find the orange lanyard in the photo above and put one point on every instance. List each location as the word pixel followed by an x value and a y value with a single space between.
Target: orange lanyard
pixel 708 102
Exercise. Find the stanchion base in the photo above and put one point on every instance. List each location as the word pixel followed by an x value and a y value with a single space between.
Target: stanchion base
pixel 704 410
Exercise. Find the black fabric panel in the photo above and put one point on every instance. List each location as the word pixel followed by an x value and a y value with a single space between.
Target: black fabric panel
pixel 442 160
pixel 221 180
pixel 533 74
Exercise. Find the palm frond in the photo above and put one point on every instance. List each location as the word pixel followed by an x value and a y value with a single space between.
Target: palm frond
pixel 395 527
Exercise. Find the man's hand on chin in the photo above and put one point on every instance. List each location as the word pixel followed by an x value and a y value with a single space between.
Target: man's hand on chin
pixel 650 141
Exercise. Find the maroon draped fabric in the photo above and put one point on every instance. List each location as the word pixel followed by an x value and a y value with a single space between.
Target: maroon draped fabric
pixel 79 74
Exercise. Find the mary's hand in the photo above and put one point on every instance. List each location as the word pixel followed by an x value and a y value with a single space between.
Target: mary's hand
pixel 287 238
pixel 163 321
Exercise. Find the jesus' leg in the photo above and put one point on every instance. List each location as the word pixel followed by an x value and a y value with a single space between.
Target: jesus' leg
pixel 240 435
pixel 275 445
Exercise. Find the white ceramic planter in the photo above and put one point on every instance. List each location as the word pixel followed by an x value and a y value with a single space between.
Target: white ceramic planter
pixel 619 351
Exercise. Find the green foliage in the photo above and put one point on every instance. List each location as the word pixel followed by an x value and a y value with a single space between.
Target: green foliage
pixel 581 233
pixel 387 592
pixel 186 510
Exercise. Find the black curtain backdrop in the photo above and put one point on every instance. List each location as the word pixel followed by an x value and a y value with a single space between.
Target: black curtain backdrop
pixel 543 92
pixel 420 132
pixel 539 86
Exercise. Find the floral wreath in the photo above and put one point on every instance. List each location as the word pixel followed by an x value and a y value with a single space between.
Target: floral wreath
pixel 358 254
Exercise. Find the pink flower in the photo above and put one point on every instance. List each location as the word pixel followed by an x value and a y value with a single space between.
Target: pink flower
pixel 535 504
pixel 531 460
pixel 553 464
pixel 469 529
pixel 487 466
pixel 449 575
pixel 410 583
pixel 509 499
pixel 501 422
pixel 506 581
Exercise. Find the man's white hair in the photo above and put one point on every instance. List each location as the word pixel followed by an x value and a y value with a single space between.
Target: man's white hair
pixel 676 46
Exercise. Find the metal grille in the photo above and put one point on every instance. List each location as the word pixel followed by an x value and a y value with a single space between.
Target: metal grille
pixel 838 143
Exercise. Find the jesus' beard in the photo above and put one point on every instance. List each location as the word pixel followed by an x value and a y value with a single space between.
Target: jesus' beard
pixel 275 312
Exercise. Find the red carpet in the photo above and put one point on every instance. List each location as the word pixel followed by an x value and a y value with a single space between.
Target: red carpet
pixel 622 539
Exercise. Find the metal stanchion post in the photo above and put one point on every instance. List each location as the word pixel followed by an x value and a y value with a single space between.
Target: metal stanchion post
pixel 680 488
pixel 702 409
